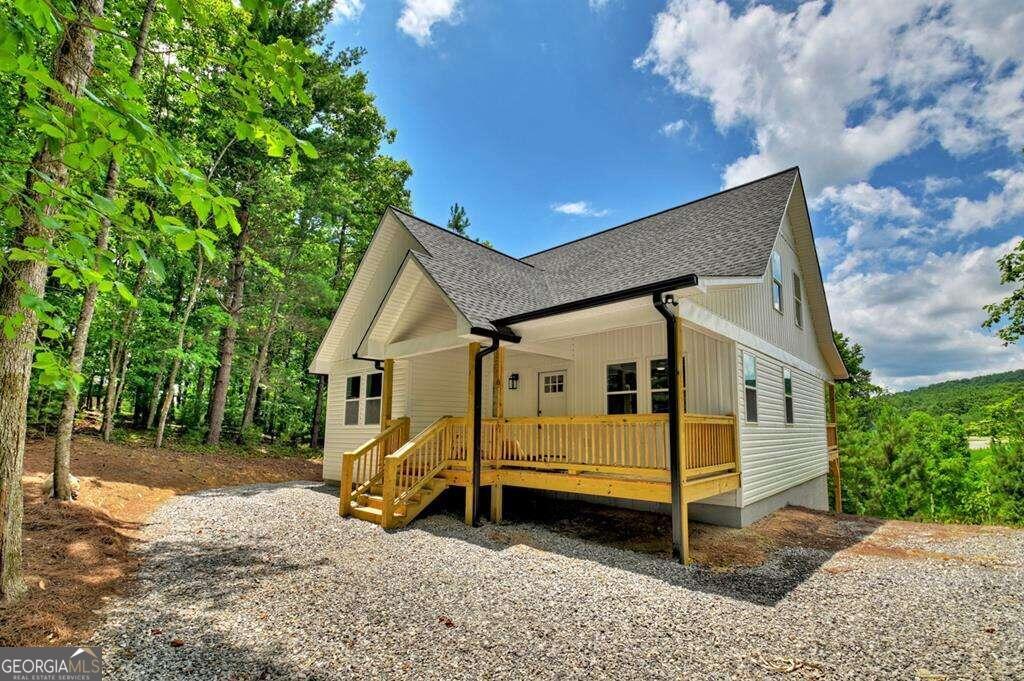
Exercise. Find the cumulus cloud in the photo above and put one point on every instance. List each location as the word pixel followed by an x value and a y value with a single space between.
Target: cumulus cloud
pixel 679 127
pixel 419 17
pixel 882 220
pixel 920 72
pixel 580 209
pixel 347 10
pixel 598 5
pixel 923 324
pixel 995 209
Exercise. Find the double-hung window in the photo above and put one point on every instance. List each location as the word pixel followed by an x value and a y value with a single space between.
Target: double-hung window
pixel 750 386
pixel 620 388
pixel 660 383
pixel 352 395
pixel 374 383
pixel 798 301
pixel 776 281
pixel 787 390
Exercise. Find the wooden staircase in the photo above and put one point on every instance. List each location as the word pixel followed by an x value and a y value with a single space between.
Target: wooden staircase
pixel 392 480
pixel 369 505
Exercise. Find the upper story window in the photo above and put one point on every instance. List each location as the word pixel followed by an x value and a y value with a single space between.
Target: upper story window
pixel 750 386
pixel 787 390
pixel 621 388
pixel 776 281
pixel 352 394
pixel 798 301
pixel 659 385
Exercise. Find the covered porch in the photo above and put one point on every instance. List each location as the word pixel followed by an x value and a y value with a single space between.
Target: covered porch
pixel 539 413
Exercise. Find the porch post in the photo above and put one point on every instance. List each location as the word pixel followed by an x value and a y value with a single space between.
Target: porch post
pixel 474 348
pixel 498 412
pixel 679 387
pixel 386 393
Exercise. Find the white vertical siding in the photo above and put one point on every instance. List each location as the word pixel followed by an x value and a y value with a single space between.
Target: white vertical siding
pixel 439 387
pixel 774 455
pixel 750 307
pixel 339 438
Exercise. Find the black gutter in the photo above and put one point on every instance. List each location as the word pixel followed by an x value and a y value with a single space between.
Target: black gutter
pixel 478 365
pixel 378 364
pixel 684 281
pixel 674 422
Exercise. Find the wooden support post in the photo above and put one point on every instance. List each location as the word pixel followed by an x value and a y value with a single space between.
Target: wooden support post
pixel 496 502
pixel 498 384
pixel 470 396
pixel 683 452
pixel 837 484
pixel 345 484
pixel 387 389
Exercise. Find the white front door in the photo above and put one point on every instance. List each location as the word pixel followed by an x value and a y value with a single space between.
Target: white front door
pixel 551 387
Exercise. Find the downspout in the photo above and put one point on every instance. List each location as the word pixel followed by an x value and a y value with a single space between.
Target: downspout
pixel 478 365
pixel 663 304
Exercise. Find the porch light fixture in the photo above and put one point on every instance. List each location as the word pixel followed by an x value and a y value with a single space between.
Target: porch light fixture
pixel 513 381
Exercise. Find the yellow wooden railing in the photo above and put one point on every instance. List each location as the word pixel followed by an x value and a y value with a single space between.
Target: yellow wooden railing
pixel 418 461
pixel 362 466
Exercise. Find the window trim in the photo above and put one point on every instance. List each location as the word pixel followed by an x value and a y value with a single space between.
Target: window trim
pixel 357 399
pixel 650 375
pixel 788 402
pixel 798 300
pixel 379 398
pixel 776 281
pixel 747 389
pixel 635 392
pixel 362 398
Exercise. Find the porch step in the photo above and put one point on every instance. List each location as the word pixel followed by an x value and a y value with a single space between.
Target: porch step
pixel 369 506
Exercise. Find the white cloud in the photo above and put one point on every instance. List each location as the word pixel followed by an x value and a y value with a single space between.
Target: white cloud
pixel 347 10
pixel 995 209
pixel 911 72
pixel 679 127
pixel 598 5
pixel 935 185
pixel 923 324
pixel 419 17
pixel 875 218
pixel 579 208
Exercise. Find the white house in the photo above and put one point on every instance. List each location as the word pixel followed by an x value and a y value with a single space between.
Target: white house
pixel 683 360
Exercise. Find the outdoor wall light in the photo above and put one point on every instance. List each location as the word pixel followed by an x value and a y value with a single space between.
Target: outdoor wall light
pixel 513 381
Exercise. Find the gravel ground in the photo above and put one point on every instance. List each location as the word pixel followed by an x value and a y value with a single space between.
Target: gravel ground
pixel 266 581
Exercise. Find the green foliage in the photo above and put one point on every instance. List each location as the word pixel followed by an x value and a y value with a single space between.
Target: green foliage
pixel 458 221
pixel 907 455
pixel 1007 316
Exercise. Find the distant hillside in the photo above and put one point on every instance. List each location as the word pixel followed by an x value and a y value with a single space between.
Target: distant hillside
pixel 966 398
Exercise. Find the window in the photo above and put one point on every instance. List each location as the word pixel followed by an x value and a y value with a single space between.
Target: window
pixel 787 389
pixel 374 383
pixel 798 301
pixel 621 388
pixel 352 401
pixel 554 383
pixel 659 385
pixel 750 386
pixel 776 281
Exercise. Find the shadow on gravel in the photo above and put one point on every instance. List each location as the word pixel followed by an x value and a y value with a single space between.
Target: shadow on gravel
pixel 760 564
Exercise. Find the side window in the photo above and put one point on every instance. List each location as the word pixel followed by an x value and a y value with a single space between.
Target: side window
pixel 787 390
pixel 798 301
pixel 352 385
pixel 776 281
pixel 374 383
pixel 554 383
pixel 621 388
pixel 659 385
pixel 750 386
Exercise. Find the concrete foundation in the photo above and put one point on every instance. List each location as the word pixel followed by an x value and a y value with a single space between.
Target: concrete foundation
pixel 812 494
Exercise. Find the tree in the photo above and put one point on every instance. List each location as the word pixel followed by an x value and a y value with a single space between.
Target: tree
pixel 1010 310
pixel 458 221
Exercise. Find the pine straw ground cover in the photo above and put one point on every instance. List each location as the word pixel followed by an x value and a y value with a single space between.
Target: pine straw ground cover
pixel 78 555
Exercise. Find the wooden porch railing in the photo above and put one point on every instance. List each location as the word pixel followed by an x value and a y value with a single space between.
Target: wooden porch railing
pixel 418 461
pixel 363 465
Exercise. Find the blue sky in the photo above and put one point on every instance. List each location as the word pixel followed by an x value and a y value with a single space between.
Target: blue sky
pixel 551 120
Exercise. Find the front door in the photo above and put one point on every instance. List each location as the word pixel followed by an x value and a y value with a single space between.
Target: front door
pixel 551 386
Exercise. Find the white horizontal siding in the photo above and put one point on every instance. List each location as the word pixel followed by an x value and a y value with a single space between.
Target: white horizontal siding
pixel 774 455
pixel 339 438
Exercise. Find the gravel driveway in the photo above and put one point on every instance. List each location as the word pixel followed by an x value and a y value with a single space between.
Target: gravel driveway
pixel 266 581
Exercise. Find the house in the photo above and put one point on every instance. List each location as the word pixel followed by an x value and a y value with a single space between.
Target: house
pixel 683 361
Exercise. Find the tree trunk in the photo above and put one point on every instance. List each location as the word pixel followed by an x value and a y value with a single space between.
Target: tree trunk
pixel 314 435
pixel 66 422
pixel 229 334
pixel 72 64
pixel 259 366
pixel 154 397
pixel 165 408
pixel 118 362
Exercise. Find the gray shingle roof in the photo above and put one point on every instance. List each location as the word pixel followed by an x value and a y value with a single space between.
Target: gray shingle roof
pixel 729 234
